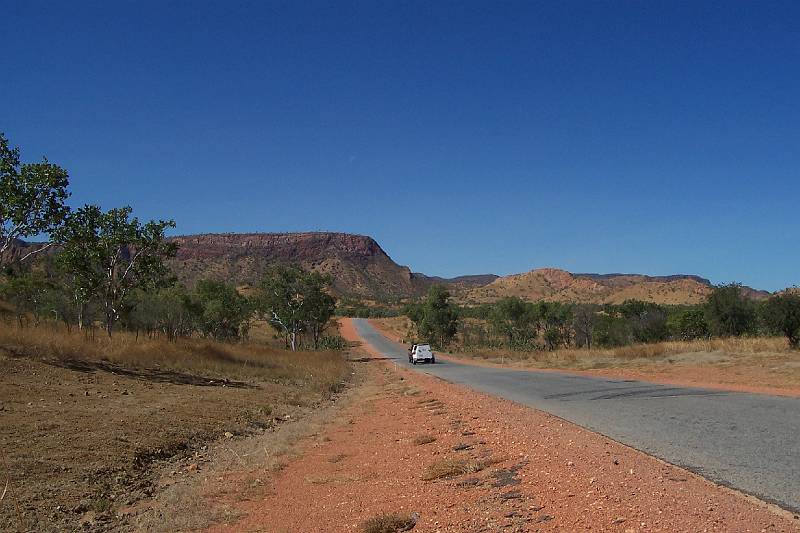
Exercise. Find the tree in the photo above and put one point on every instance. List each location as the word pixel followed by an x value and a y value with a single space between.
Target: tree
pixel 689 324
pixel 27 292
pixel 32 197
pixel 108 254
pixel 224 313
pixel 781 313
pixel 510 318
pixel 647 320
pixel 611 330
pixel 729 312
pixel 294 301
pixel 319 304
pixel 436 318
pixel 554 321
pixel 583 323
pixel 172 311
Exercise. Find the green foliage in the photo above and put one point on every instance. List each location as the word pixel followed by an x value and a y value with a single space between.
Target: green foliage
pixel 32 197
pixel 108 254
pixel 647 321
pixel 436 318
pixel 554 321
pixel 583 323
pixel 781 314
pixel 294 302
pixel 172 311
pixel 332 342
pixel 611 330
pixel 360 310
pixel 688 324
pixel 513 320
pixel 28 293
pixel 729 312
pixel 222 312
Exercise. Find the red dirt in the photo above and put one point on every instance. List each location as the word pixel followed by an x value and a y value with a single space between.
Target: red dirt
pixel 550 475
pixel 704 376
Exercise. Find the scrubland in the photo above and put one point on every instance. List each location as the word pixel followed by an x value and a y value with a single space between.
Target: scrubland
pixel 89 423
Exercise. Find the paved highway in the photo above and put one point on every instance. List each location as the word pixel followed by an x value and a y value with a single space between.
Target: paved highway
pixel 750 442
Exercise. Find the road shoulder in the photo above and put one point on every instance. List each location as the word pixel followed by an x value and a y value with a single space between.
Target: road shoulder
pixel 502 466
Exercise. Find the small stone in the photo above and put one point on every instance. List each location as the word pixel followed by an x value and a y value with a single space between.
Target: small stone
pixel 228 435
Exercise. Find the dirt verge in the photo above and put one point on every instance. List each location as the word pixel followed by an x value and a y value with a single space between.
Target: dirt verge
pixel 84 442
pixel 453 460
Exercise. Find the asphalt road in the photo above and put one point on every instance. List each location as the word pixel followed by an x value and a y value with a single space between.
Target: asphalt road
pixel 750 442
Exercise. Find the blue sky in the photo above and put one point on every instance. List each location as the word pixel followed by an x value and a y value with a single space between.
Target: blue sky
pixel 466 137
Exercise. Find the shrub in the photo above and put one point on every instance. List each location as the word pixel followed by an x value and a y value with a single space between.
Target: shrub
pixel 729 312
pixel 781 314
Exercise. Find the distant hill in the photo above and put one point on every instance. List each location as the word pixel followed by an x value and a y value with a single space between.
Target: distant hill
pixel 460 282
pixel 361 268
pixel 556 285
pixel 19 249
pixel 358 265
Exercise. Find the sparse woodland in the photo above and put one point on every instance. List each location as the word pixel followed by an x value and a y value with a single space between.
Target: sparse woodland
pixel 106 269
pixel 517 325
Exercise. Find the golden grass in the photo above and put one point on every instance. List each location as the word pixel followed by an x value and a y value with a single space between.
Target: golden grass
pixel 637 353
pixel 389 523
pixel 246 361
pixel 450 468
pixel 399 327
pixel 424 439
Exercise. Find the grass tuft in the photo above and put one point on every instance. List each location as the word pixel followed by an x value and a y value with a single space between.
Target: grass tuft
pixel 389 523
pixel 450 468
pixel 424 439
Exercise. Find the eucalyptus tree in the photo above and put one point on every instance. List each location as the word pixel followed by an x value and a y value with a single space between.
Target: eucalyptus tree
pixel 108 254
pixel 294 302
pixel 32 199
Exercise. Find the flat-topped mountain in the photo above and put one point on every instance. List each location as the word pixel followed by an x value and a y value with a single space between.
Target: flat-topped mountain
pixel 361 268
pixel 358 265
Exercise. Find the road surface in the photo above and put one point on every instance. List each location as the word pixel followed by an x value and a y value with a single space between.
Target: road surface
pixel 750 442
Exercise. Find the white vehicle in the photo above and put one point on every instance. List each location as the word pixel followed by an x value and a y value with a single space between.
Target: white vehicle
pixel 421 353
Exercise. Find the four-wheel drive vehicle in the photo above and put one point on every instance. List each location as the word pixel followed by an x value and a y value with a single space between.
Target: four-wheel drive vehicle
pixel 420 353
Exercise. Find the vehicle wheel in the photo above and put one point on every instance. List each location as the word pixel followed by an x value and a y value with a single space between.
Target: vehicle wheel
pixel 433 360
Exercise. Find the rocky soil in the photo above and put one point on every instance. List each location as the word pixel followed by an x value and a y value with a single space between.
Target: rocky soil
pixel 452 460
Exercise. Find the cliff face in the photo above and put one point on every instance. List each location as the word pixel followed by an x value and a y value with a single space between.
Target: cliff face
pixel 361 268
pixel 359 265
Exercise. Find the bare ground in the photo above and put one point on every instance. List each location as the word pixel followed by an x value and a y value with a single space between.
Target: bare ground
pixel 452 460
pixel 95 444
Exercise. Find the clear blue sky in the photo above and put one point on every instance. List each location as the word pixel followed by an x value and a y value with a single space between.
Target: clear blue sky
pixel 466 137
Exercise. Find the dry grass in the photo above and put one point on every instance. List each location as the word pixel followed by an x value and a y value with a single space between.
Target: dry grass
pixel 424 439
pixel 389 523
pixel 450 468
pixel 638 353
pixel 88 424
pixel 247 361
pixel 396 327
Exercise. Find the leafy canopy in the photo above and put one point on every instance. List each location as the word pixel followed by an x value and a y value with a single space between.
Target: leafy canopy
pixel 32 196
pixel 108 254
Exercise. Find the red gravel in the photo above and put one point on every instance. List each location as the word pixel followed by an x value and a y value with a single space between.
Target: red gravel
pixel 549 475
